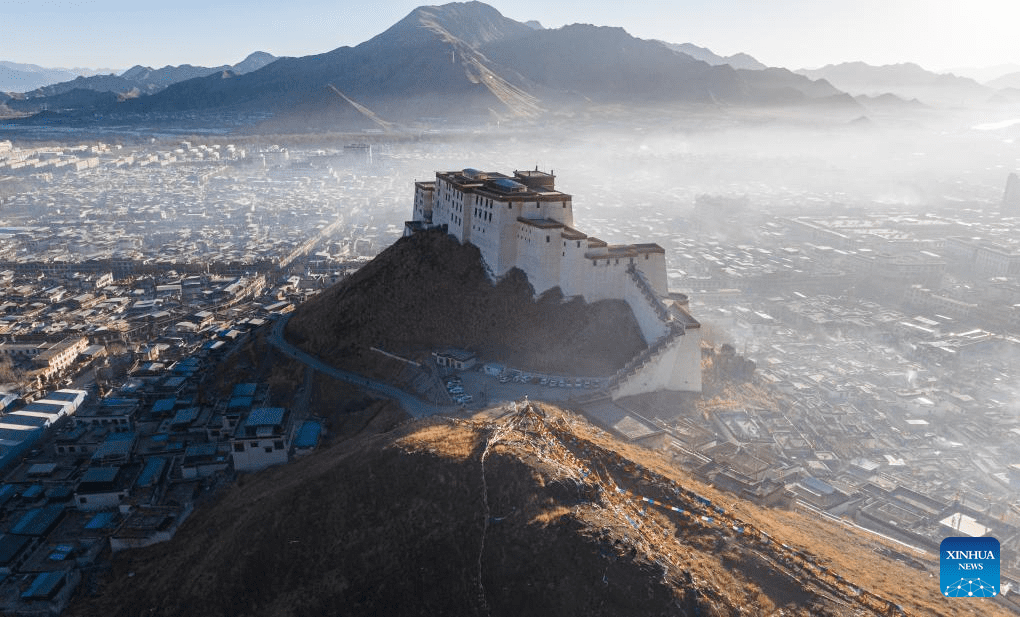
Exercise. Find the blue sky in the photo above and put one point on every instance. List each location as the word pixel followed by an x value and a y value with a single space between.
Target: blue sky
pixel 793 33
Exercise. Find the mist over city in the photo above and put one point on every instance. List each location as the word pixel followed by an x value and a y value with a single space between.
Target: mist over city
pixel 474 315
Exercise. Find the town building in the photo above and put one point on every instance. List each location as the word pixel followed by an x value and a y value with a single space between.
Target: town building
pixel 262 439
pixel 524 222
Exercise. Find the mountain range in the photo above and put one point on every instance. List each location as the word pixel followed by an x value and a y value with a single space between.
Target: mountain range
pixel 737 61
pixel 459 61
pixel 19 77
pixel 136 81
pixel 907 80
pixel 465 62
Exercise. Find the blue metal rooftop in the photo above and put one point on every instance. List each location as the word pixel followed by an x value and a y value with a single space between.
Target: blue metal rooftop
pixel 243 389
pixel 308 435
pixel 509 185
pixel 265 416
pixel 152 471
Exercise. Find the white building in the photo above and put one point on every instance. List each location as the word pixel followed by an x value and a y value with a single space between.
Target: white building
pixel 102 488
pixel 262 439
pixel 524 222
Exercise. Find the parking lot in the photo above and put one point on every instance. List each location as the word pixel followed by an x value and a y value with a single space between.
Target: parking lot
pixel 484 389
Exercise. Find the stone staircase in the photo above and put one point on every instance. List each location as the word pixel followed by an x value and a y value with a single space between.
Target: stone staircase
pixel 675 329
pixel 648 292
pixel 646 355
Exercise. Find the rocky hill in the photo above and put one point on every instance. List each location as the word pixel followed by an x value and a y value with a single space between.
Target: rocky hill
pixel 428 291
pixel 529 512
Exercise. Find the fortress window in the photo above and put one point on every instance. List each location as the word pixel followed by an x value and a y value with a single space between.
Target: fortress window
pixel 547 238
pixel 646 255
pixel 578 244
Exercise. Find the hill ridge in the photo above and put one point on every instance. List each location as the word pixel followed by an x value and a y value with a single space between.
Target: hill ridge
pixel 526 510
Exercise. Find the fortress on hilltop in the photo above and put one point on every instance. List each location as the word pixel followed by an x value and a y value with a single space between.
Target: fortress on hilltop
pixel 524 222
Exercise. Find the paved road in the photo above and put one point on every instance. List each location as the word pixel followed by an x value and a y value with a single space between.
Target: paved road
pixel 410 403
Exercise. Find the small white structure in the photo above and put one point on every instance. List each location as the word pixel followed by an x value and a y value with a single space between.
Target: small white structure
pixel 102 488
pixel 262 439
pixel 457 359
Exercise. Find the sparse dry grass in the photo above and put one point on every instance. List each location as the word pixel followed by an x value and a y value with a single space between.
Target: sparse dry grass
pixel 391 524
pixel 448 440
pixel 848 551
pixel 550 516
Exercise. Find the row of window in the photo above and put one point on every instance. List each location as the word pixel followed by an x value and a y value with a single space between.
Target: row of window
pixel 254 445
pixel 103 421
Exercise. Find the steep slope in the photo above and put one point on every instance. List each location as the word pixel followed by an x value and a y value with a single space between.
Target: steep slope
pixel 417 68
pixel 428 291
pixel 535 512
pixel 606 64
pixel 329 110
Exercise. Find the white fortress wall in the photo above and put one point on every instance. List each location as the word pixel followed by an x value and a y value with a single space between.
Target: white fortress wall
pixel 678 368
pixel 573 273
pixel 687 362
pixel 653 265
pixel 603 277
pixel 423 195
pixel 504 254
pixel 537 255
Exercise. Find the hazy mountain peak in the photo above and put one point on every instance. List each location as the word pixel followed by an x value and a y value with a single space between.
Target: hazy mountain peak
pixel 704 54
pixel 908 80
pixel 253 62
pixel 474 23
pixel 20 77
pixel 258 55
pixel 137 72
